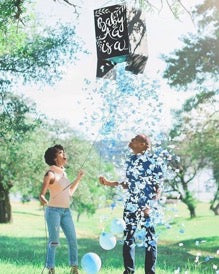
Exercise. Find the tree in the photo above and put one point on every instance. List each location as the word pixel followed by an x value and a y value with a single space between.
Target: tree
pixel 195 66
pixel 196 135
pixel 182 170
pixel 29 175
pixel 17 120
pixel 207 151
pixel 28 52
pixel 197 61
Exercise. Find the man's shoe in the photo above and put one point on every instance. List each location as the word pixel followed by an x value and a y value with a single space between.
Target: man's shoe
pixel 51 271
pixel 74 269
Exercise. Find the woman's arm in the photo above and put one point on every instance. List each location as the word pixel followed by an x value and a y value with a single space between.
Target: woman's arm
pixel 75 183
pixel 48 178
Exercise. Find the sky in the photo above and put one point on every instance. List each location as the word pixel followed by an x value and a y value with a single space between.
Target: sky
pixel 163 31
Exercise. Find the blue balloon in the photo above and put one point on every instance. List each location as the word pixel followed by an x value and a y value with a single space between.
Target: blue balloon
pixel 91 263
pixel 107 241
pixel 117 226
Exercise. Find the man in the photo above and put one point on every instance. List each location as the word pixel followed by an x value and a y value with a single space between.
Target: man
pixel 143 177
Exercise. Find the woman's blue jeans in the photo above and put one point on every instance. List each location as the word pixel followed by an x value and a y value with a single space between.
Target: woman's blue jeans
pixel 56 217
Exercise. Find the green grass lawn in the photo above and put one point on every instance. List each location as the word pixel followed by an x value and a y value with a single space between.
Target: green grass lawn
pixel 23 242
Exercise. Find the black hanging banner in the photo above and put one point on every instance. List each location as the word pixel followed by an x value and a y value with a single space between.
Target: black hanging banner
pixel 120 37
pixel 111 32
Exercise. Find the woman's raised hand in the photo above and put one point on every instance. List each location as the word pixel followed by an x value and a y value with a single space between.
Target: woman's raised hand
pixel 80 174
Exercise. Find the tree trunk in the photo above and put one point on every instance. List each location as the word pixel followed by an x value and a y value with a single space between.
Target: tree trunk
pixel 78 216
pixel 5 207
pixel 215 209
pixel 189 200
pixel 191 211
pixel 215 204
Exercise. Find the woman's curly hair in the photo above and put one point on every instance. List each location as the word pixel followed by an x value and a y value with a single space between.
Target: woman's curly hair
pixel 51 153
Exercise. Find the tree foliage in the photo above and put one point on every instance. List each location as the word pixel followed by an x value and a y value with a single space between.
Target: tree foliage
pixel 40 58
pixel 32 52
pixel 184 169
pixel 198 59
pixel 175 6
pixel 197 63
pixel 28 52
pixel 195 66
pixel 18 120
pixel 196 134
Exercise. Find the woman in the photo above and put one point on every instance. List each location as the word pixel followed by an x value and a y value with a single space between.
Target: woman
pixel 57 211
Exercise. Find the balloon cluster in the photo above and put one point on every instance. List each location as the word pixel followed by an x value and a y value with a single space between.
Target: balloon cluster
pixel 107 240
pixel 91 262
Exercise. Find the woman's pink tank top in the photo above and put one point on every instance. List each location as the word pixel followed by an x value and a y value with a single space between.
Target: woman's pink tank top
pixel 58 196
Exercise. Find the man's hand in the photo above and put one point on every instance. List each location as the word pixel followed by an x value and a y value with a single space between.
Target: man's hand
pixel 105 182
pixel 146 211
pixel 102 180
pixel 157 193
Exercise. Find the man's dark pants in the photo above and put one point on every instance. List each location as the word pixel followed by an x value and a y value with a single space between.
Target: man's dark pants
pixel 131 220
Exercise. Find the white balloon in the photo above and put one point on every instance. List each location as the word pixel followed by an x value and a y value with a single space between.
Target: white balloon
pixel 107 241
pixel 91 263
pixel 117 226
